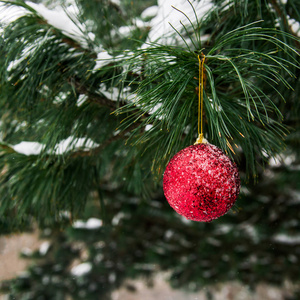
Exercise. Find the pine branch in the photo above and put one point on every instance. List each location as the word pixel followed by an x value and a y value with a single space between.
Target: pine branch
pixel 235 114
pixel 95 151
pixel 44 74
pixel 93 96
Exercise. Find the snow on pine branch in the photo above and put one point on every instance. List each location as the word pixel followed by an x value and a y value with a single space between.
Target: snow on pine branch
pixel 168 12
pixel 69 144
pixel 90 224
pixel 163 17
pixel 9 14
pixel 64 19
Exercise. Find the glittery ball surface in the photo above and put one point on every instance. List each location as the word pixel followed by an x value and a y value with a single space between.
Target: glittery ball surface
pixel 201 182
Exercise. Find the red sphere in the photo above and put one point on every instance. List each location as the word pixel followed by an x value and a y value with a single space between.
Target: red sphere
pixel 201 182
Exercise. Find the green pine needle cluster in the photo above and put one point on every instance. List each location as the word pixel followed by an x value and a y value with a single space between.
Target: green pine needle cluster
pixel 240 113
pixel 51 91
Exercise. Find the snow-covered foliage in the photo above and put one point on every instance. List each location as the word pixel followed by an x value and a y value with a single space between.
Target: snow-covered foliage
pixel 92 223
pixel 82 269
pixel 69 144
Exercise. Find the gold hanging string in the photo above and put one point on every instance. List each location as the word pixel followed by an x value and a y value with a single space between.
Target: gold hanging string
pixel 200 99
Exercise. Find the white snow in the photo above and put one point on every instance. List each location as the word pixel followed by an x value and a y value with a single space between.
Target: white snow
pixel 11 13
pixel 15 63
pixel 223 229
pixel 125 30
pixel 69 144
pixel 150 12
pixel 91 223
pixel 117 2
pixel 44 248
pixel 161 30
pixel 295 26
pixel 57 18
pixel 279 160
pixel 287 239
pixel 28 148
pixel 63 19
pixel 148 127
pixel 81 99
pixel 112 93
pixel 155 108
pixel 103 58
pixel 81 269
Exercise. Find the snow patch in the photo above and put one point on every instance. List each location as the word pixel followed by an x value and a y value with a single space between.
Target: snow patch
pixel 126 30
pixel 63 19
pixel 161 30
pixel 223 229
pixel 44 248
pixel 81 269
pixel 103 58
pixel 91 223
pixel 71 144
pixel 116 2
pixel 29 148
pixel 150 12
pixel 113 93
pixel 81 99
pixel 295 26
pixel 9 14
pixel 279 160
pixel 287 239
pixel 148 127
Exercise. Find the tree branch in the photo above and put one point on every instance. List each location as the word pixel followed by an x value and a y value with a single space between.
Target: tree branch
pixel 95 97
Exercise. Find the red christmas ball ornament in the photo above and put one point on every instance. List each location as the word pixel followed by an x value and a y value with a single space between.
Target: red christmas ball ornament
pixel 201 182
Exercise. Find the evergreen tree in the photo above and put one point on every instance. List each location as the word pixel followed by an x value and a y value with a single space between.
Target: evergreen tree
pixel 105 99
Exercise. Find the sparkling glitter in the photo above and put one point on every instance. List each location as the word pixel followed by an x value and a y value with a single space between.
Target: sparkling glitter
pixel 201 182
